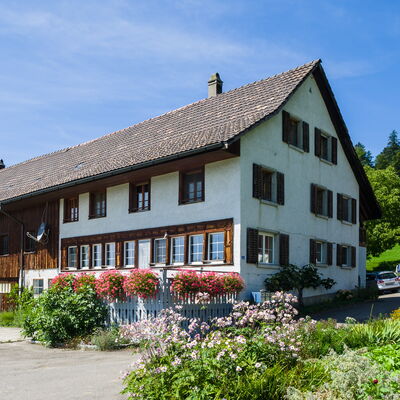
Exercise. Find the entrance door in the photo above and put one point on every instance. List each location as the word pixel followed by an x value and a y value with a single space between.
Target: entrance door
pixel 144 253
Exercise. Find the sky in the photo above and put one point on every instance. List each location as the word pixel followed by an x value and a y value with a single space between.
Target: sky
pixel 71 71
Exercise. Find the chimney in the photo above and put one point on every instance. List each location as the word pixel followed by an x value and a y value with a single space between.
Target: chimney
pixel 2 165
pixel 214 85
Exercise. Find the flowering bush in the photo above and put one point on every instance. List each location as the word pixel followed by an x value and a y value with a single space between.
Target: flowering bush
pixel 83 282
pixel 63 281
pixel 110 286
pixel 189 282
pixel 344 294
pixel 142 283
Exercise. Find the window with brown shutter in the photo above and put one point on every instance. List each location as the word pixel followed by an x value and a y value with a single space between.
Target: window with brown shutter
pixel 325 146
pixel 268 185
pixel 346 209
pixel 354 211
pixel 317 142
pixel 97 208
pixel 295 132
pixel 353 257
pixel 321 201
pixel 71 209
pixel 139 197
pixel 285 126
pixel 334 150
pixel 338 255
pixel 283 249
pixel 345 256
pixel 320 252
pixel 252 245
pixel 191 186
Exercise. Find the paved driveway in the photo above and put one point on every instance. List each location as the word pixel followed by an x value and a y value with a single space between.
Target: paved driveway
pixel 362 311
pixel 33 372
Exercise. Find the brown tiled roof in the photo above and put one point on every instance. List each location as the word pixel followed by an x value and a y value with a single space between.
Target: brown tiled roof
pixel 193 127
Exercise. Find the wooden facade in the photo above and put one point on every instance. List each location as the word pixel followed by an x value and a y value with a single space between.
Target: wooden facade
pixel 45 255
pixel 204 228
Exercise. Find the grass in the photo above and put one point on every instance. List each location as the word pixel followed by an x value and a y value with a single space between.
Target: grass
pixel 386 261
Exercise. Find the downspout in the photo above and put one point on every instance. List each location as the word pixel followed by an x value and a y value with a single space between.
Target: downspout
pixel 22 239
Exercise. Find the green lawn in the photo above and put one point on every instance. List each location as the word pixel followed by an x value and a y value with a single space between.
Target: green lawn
pixel 386 261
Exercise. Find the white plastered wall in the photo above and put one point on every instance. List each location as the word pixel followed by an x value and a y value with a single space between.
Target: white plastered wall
pixel 263 145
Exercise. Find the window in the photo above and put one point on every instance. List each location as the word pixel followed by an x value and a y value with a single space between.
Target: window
pixel 268 185
pixel 4 245
pixel 72 257
pixel 97 204
pixel 30 244
pixel 346 262
pixel 177 250
pixel 195 249
pixel 191 187
pixel 84 254
pixel 325 146
pixel 295 132
pixel 346 255
pixel 110 254
pixel 139 197
pixel 97 256
pixel 71 209
pixel 266 248
pixel 216 246
pixel 160 251
pixel 321 201
pixel 129 254
pixel 37 286
pixel 346 208
pixel 321 252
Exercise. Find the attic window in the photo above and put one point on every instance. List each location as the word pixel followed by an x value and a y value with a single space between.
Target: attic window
pixel 295 132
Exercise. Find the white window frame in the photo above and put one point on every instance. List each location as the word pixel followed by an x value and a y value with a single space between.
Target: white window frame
pixel 131 256
pixel 190 249
pixel 110 261
pixel 217 261
pixel 173 262
pixel 81 259
pixel 37 289
pixel 262 254
pixel 94 259
pixel 75 264
pixel 155 251
pixel 324 252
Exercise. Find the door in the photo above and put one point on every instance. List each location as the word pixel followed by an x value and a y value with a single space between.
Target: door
pixel 144 254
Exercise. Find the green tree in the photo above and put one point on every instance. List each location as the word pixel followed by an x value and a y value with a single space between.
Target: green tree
pixel 389 156
pixel 384 233
pixel 364 155
pixel 292 277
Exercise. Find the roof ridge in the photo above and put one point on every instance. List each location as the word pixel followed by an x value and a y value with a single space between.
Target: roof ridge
pixel 313 62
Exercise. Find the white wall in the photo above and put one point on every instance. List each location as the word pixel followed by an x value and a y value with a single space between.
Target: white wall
pixel 44 274
pixel 264 145
pixel 222 185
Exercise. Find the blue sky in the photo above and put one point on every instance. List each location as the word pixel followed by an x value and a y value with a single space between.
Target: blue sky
pixel 71 71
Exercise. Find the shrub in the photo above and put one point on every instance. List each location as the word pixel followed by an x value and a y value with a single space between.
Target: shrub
pixel 57 315
pixel 186 283
pixel 387 356
pixel 83 282
pixel 110 286
pixel 142 283
pixel 344 295
pixel 7 318
pixel 107 339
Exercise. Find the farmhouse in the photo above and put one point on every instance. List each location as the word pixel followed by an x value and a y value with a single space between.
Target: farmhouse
pixel 243 181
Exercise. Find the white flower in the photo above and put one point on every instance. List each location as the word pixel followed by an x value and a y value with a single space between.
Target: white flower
pixel 257 365
pixel 238 369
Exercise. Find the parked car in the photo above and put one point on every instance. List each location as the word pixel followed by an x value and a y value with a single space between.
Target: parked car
pixel 385 280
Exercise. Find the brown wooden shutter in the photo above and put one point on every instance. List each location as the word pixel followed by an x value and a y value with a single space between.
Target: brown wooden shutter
pixel 103 254
pixel 64 258
pixel 90 256
pixel 334 150
pixel 132 197
pixel 181 187
pixel 283 249
pixel 257 181
pixel 353 256
pixel 317 142
pixel 285 126
pixel 280 180
pixel 330 203
pixel 354 211
pixel 329 255
pixel 339 206
pixel 313 251
pixel 252 245
pixel 91 204
pixel 119 254
pixel 78 256
pixel 228 245
pixel 306 137
pixel 313 199
pixel 338 255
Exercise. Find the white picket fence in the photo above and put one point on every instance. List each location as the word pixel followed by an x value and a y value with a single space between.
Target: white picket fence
pixel 136 309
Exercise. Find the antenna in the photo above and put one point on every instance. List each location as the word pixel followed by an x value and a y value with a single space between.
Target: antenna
pixel 42 234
